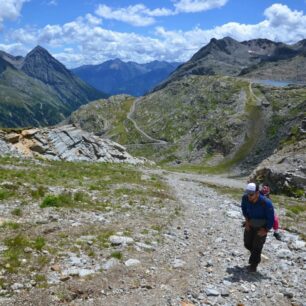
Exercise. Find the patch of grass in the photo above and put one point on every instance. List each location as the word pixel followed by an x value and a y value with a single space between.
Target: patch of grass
pixel 103 237
pixel 39 243
pixel 296 209
pixel 157 227
pixel 16 212
pixel 41 280
pixel 50 201
pixel 61 200
pixel 117 254
pixel 91 253
pixel 10 225
pixel 5 194
pixel 15 249
pixel 127 232
pixel 294 192
pixel 80 196
pixel 43 261
pixel 39 192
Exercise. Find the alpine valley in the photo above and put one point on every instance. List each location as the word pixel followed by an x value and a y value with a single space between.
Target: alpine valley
pixel 226 109
pixel 218 112
pixel 136 199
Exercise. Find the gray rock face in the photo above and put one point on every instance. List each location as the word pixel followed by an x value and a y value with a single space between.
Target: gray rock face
pixel 285 170
pixel 64 143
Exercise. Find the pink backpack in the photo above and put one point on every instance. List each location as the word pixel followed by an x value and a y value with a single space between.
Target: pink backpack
pixel 276 223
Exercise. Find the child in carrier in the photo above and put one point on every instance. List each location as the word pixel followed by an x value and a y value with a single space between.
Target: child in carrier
pixel 265 190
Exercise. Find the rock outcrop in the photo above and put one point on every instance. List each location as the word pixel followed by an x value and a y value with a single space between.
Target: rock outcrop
pixel 63 143
pixel 285 170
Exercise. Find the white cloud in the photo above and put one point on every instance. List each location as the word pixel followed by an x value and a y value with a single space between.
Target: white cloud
pixel 279 14
pixel 192 6
pixel 136 15
pixel 25 36
pixel 87 42
pixel 14 49
pixel 93 19
pixel 285 24
pixel 140 15
pixel 10 9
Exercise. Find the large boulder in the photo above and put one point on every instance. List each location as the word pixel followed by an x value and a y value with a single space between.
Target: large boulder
pixel 285 170
pixel 64 143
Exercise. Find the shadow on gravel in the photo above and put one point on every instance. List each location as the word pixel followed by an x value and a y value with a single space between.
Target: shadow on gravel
pixel 238 273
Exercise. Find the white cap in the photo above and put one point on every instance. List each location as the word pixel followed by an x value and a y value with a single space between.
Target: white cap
pixel 251 187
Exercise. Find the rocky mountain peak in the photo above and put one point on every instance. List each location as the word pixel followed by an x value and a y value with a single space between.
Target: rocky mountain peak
pixel 225 45
pixel 39 49
pixel 40 64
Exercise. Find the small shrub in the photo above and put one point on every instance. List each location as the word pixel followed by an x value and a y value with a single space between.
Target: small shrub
pixel 50 201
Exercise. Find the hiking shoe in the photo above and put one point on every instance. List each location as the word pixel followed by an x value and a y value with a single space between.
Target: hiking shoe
pixel 277 236
pixel 252 268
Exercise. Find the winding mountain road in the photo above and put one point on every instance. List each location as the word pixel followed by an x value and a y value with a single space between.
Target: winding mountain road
pixel 129 116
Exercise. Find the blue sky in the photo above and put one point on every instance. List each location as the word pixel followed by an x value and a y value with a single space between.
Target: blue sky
pixel 79 32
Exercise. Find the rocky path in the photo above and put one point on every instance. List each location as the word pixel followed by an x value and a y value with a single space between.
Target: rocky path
pixel 214 247
pixel 202 260
pixel 199 260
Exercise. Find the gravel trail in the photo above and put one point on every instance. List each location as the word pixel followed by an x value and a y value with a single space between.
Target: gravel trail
pixel 202 260
pixel 199 260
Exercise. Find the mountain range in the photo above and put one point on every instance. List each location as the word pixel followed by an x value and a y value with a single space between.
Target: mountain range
pixel 38 90
pixel 211 114
pixel 260 59
pixel 118 77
